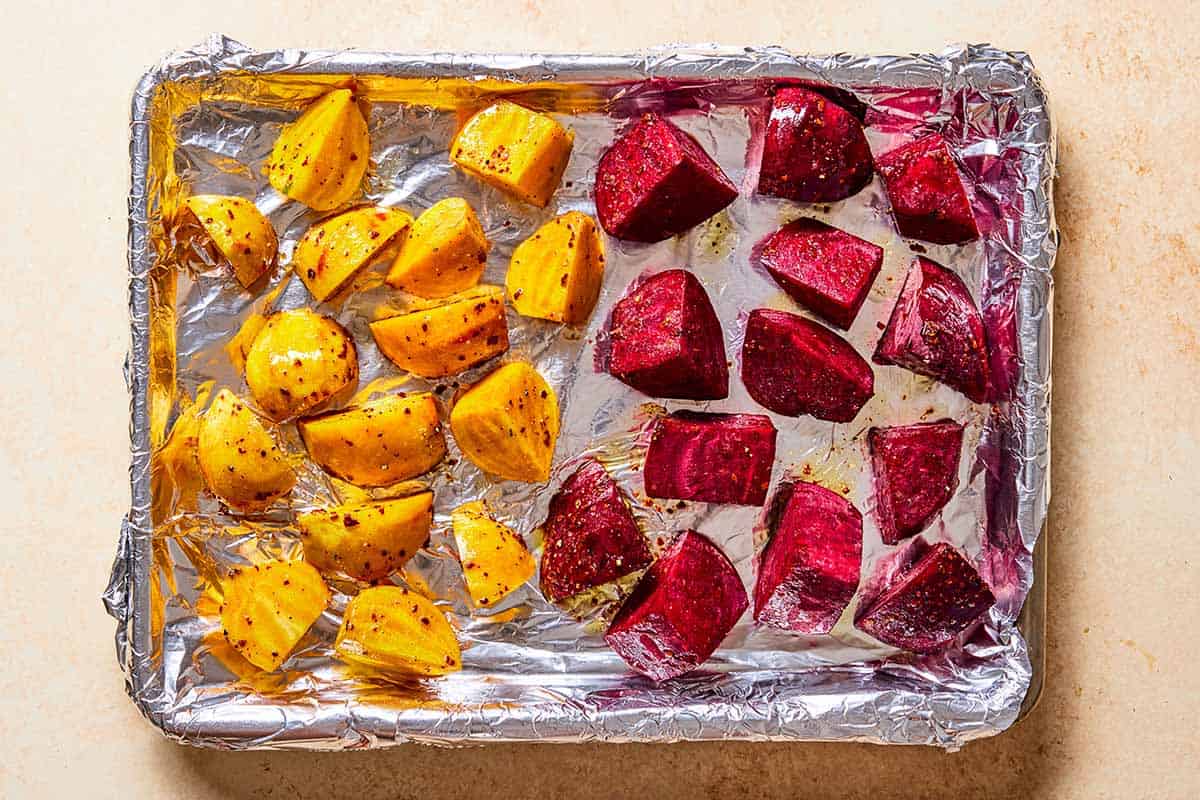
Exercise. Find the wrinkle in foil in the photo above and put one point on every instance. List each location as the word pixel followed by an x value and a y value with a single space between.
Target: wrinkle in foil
pixel 205 120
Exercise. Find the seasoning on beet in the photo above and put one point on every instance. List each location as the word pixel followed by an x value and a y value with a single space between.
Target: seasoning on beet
pixel 814 151
pixel 808 572
pixel 794 366
pixel 935 330
pixel 656 181
pixel 681 610
pixel 591 537
pixel 823 268
pixel 925 606
pixel 929 199
pixel 666 340
pixel 712 458
pixel 916 473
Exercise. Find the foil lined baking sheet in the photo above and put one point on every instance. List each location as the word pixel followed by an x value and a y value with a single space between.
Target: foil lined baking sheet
pixel 204 120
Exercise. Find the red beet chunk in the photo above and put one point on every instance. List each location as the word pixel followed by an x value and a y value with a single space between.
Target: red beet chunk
pixel 809 570
pixel 824 269
pixel 936 330
pixel 929 604
pixel 680 611
pixel 656 181
pixel 590 535
pixel 793 366
pixel 666 340
pixel 928 197
pixel 814 150
pixel 713 458
pixel 916 474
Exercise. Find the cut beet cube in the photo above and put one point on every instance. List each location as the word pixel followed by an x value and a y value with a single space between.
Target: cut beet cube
pixel 680 611
pixel 809 569
pixel 916 474
pixel 666 340
pixel 814 150
pixel 928 197
pixel 590 535
pixel 935 330
pixel 793 366
pixel 824 269
pixel 926 606
pixel 656 181
pixel 713 458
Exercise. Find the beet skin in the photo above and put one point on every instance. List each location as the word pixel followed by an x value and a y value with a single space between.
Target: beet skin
pixel 927 605
pixel 794 366
pixel 936 330
pixel 713 458
pixel 683 607
pixel 928 197
pixel 916 474
pixel 814 150
pixel 809 569
pixel 656 181
pixel 824 269
pixel 590 535
pixel 666 340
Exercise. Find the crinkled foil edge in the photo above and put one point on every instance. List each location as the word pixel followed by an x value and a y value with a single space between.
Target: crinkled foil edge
pixel 861 702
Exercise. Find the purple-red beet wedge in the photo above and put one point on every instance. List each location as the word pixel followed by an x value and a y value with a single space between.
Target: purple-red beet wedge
pixel 656 181
pixel 680 611
pixel 793 366
pixel 916 474
pixel 809 569
pixel 935 330
pixel 814 150
pixel 713 458
pixel 824 269
pixel 590 535
pixel 666 340
pixel 929 199
pixel 926 606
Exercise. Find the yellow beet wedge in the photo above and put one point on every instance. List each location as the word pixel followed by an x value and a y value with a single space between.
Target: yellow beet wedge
pixel 239 458
pixel 267 608
pixel 378 443
pixel 331 252
pixel 556 273
pixel 367 541
pixel 494 558
pixel 517 150
pixel 239 233
pixel 445 251
pixel 446 339
pixel 394 629
pixel 507 424
pixel 298 361
pixel 320 159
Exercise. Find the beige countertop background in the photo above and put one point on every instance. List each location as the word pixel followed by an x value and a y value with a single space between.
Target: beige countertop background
pixel 1119 715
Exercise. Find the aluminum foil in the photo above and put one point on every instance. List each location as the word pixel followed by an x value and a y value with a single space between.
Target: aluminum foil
pixel 205 119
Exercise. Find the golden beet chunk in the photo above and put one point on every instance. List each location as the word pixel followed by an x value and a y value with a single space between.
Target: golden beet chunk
pixel 556 273
pixel 518 151
pixel 334 250
pixel 507 424
pixel 238 232
pixel 298 361
pixel 367 541
pixel 494 558
pixel 320 159
pixel 445 251
pixel 378 443
pixel 267 609
pixel 394 629
pixel 446 339
pixel 240 460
